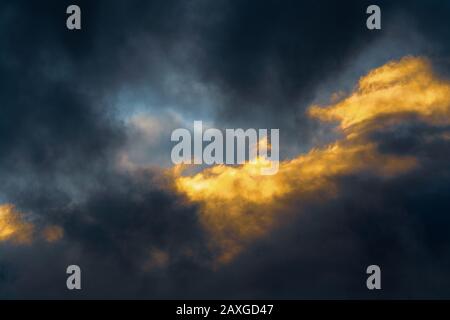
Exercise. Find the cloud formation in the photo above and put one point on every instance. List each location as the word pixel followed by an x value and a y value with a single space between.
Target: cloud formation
pixel 239 205
pixel 84 137
pixel 13 227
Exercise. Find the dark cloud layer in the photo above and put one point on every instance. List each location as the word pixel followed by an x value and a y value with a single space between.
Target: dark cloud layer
pixel 265 62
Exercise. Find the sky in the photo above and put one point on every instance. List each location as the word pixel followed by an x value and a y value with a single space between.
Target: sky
pixel 86 176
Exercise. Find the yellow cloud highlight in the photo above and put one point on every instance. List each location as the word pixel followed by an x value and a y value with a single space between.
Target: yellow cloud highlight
pixel 238 205
pixel 405 86
pixel 16 229
pixel 13 227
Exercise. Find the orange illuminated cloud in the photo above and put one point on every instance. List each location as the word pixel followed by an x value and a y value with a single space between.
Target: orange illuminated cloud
pixel 398 87
pixel 16 229
pixel 238 205
pixel 13 227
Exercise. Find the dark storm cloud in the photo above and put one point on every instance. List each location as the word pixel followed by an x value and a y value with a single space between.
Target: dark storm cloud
pixel 263 52
pixel 58 130
pixel 112 237
pixel 59 134
pixel 262 58
pixel 59 137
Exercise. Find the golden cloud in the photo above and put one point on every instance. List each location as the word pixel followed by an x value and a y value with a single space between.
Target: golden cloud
pixel 13 227
pixel 399 87
pixel 238 205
